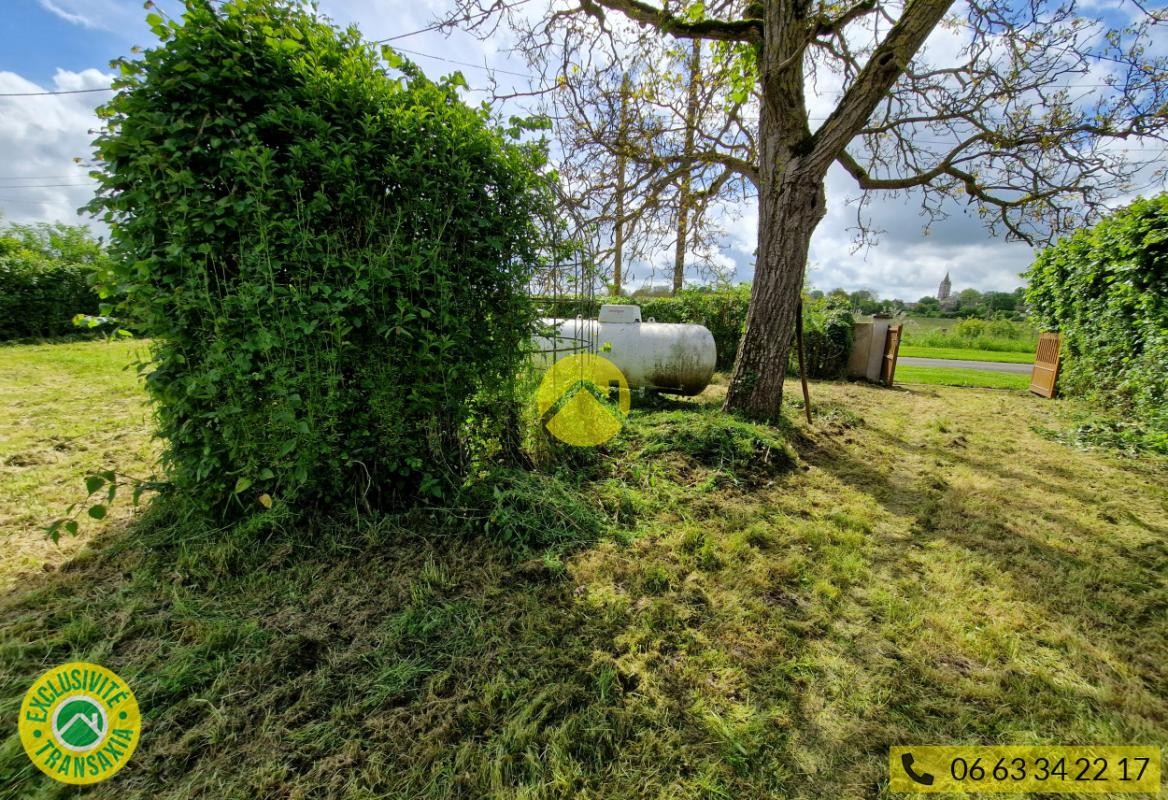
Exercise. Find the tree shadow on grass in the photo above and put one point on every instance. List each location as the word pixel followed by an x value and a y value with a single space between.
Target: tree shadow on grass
pixel 377 659
pixel 738 651
pixel 1072 631
pixel 392 657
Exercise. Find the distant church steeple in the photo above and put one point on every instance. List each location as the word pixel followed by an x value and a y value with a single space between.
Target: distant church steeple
pixel 944 289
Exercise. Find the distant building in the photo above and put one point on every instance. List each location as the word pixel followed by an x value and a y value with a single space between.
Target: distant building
pixel 945 289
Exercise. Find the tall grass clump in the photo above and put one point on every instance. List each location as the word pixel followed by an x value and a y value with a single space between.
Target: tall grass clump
pixel 328 251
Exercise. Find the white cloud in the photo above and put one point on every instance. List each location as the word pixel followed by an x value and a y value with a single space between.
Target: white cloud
pixel 69 16
pixel 121 17
pixel 40 136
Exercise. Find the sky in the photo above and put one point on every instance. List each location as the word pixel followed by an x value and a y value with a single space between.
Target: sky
pixel 66 45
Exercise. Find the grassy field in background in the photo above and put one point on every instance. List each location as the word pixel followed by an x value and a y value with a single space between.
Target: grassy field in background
pixel 925 324
pixel 953 376
pixel 916 324
pixel 758 620
pixel 966 354
pixel 996 336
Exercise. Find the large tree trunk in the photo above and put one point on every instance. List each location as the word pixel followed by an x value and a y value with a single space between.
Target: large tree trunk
pixel 792 166
pixel 786 222
pixel 790 204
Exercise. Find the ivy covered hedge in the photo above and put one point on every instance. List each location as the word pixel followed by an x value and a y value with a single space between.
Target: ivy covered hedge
pixel 1105 289
pixel 46 278
pixel 329 252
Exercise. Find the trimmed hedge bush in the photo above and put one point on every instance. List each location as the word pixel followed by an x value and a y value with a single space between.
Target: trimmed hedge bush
pixel 330 260
pixel 1105 289
pixel 46 278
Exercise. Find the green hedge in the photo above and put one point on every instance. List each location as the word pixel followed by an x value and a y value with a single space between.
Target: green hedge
pixel 46 277
pixel 330 253
pixel 1105 289
pixel 828 332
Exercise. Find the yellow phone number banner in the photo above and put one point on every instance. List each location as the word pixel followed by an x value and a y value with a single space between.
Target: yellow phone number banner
pixel 1011 768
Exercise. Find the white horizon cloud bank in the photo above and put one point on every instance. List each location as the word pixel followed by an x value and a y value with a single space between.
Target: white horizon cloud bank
pixel 904 262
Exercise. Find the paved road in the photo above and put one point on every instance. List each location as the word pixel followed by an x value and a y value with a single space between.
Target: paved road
pixel 988 366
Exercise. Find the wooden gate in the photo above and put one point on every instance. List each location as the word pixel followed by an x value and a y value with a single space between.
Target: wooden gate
pixel 1046 365
pixel 891 349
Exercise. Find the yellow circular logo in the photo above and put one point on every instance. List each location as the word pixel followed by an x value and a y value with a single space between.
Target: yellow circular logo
pixel 79 723
pixel 575 402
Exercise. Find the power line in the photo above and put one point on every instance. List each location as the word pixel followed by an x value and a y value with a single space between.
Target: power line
pixel 45 186
pixel 439 25
pixel 61 91
pixel 433 27
pixel 34 177
pixel 465 63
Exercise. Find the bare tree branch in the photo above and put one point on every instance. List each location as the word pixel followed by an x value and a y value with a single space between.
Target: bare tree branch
pixel 737 30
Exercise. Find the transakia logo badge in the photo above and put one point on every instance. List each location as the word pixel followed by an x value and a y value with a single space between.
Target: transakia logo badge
pixel 79 723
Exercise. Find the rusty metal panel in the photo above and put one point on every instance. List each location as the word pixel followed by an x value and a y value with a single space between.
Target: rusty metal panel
pixel 891 350
pixel 1046 365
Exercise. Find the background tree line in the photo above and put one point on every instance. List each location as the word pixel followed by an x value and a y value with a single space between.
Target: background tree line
pixel 966 304
pixel 47 276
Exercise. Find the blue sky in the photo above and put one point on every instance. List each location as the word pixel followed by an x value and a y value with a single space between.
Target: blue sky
pixel 38 37
pixel 34 42
pixel 67 44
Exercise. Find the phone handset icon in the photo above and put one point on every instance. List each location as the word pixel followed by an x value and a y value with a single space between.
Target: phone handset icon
pixel 924 778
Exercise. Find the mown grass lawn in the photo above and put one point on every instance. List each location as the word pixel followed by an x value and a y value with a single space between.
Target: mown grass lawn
pixel 966 354
pixel 953 376
pixel 760 620
pixel 68 409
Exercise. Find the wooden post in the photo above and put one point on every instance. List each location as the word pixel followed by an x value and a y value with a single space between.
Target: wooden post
pixel 802 361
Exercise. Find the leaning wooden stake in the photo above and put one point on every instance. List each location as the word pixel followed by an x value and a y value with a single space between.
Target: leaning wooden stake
pixel 802 367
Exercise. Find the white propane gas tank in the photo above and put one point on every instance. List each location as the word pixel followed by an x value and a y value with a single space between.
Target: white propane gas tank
pixel 654 355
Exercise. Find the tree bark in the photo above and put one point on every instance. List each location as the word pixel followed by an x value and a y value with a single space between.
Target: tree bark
pixel 790 204
pixel 786 223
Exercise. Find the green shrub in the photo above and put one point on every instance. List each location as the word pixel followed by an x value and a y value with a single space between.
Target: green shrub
pixel 1105 289
pixel 330 260
pixel 828 332
pixel 1005 329
pixel 970 328
pixel 46 278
